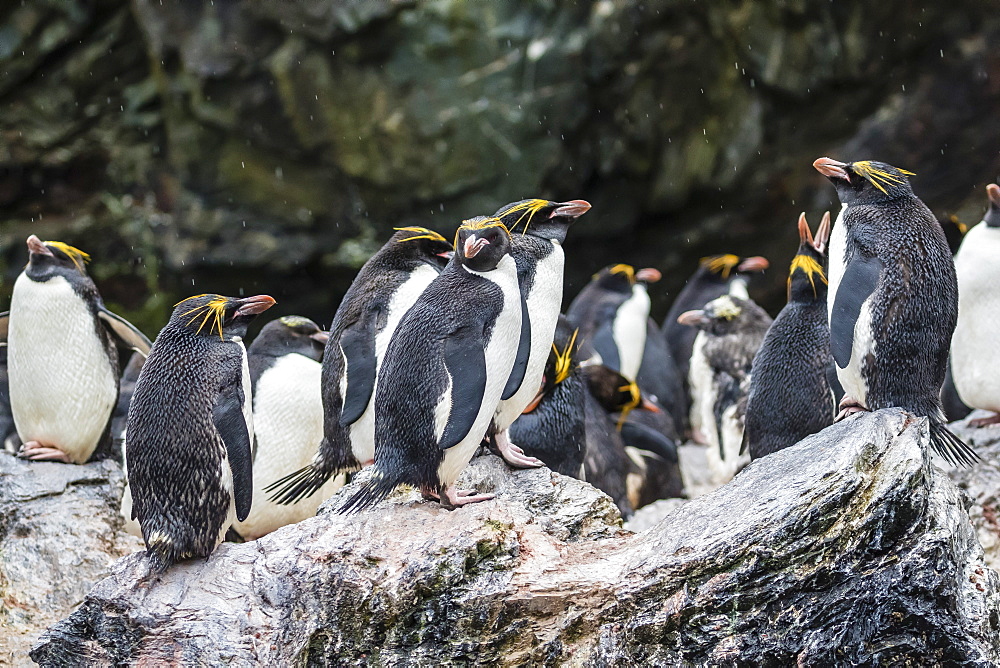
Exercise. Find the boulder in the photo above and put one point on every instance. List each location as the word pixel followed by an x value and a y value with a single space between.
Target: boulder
pixel 982 483
pixel 60 532
pixel 850 547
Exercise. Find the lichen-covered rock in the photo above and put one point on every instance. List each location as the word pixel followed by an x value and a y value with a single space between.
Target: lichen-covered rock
pixel 848 548
pixel 59 534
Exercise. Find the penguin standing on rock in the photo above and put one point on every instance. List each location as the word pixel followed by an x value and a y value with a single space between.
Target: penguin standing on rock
pixel 382 292
pixel 893 298
pixel 190 430
pixel 538 229
pixel 285 369
pixel 445 370
pixel 62 356
pixel 730 333
pixel 790 397
pixel 975 341
pixel 611 314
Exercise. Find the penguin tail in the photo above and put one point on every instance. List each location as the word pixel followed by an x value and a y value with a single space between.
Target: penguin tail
pixel 372 491
pixel 951 447
pixel 297 485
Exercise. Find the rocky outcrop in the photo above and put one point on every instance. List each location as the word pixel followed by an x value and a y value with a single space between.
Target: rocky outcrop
pixel 982 483
pixel 848 548
pixel 256 144
pixel 60 533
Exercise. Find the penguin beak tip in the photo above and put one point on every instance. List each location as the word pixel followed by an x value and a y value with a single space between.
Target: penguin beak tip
pixel 692 318
pixel 254 305
pixel 648 275
pixel 37 246
pixel 831 168
pixel 572 209
pixel 755 263
pixel 320 337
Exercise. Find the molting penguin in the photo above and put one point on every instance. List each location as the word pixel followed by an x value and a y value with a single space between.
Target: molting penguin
pixel 716 275
pixel 893 298
pixel 190 429
pixel 790 397
pixel 538 230
pixel 973 347
pixel 552 425
pixel 611 313
pixel 730 333
pixel 285 372
pixel 382 292
pixel 62 357
pixel 445 370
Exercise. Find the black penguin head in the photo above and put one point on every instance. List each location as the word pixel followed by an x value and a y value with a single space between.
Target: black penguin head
pixel 614 392
pixel 616 278
pixel 992 218
pixel 722 267
pixel 562 361
pixel 542 218
pixel 954 231
pixel 54 258
pixel 726 315
pixel 290 334
pixel 481 243
pixel 424 244
pixel 806 279
pixel 865 182
pixel 215 315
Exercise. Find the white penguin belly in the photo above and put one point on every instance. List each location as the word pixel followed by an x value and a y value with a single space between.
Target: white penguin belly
pixel 62 387
pixel 544 304
pixel 629 331
pixel 738 288
pixel 974 343
pixel 700 379
pixel 288 423
pixel 363 431
pixel 864 341
pixel 500 354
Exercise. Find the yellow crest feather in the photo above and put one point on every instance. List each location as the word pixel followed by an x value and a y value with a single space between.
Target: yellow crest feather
pixel 78 257
pixel 528 207
pixel 879 177
pixel 636 397
pixel 564 359
pixel 626 269
pixel 720 264
pixel 483 224
pixel 421 233
pixel 810 267
pixel 214 310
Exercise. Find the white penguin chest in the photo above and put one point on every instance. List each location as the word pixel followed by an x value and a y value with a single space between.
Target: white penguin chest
pixel 500 353
pixel 629 331
pixel 977 264
pixel 406 295
pixel 62 386
pixel 863 343
pixel 247 394
pixel 544 303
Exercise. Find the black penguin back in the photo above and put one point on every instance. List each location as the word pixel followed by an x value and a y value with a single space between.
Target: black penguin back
pixel 606 464
pixel 555 431
pixel 660 376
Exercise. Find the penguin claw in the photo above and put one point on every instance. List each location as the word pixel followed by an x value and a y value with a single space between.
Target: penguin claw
pixel 461 497
pixel 848 407
pixel 514 455
pixel 985 421
pixel 35 451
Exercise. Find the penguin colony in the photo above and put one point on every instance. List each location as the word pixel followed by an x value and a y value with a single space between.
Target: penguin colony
pixel 441 348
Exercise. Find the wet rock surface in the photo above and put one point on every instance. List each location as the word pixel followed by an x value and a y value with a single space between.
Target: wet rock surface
pixel 850 547
pixel 59 535
pixel 982 483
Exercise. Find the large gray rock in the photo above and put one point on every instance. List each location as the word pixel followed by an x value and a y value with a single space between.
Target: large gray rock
pixel 60 533
pixel 982 483
pixel 847 548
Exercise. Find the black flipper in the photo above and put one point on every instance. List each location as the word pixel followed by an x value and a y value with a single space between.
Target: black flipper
pixel 465 359
pixel 834 382
pixel 728 395
pixel 604 343
pixel 521 360
pixel 861 277
pixel 950 446
pixel 358 343
pixel 124 331
pixel 227 415
pixel 646 438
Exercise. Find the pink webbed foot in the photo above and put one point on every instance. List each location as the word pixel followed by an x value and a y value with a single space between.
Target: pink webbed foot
pixel 35 451
pixel 849 406
pixel 460 497
pixel 985 421
pixel 514 455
